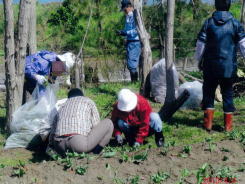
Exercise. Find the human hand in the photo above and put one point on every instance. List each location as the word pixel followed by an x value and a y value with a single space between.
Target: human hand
pixel 121 33
pixel 136 144
pixel 119 139
pixel 40 79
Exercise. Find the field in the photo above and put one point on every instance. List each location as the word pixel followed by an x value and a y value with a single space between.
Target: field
pixel 190 153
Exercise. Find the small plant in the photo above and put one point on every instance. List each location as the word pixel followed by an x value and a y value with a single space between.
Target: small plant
pixel 226 173
pixel 242 168
pixel 225 158
pixel 187 149
pixel 242 137
pixel 67 163
pixel 135 180
pixel 184 173
pixel 202 173
pixel 159 177
pixel 211 147
pixel 124 157
pixel 109 154
pixel 233 135
pixel 2 166
pixel 140 157
pixel 81 170
pixel 20 170
pixel 225 150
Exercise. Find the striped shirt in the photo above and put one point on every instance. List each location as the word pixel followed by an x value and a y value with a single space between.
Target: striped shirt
pixel 77 116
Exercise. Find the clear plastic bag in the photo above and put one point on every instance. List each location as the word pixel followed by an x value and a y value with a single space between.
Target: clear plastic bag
pixel 159 83
pixel 32 119
pixel 195 90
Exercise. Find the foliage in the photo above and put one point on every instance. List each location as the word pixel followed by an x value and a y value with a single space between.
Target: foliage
pixel 159 177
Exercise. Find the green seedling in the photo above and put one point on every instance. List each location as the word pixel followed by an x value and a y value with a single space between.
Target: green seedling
pixel 124 157
pixel 211 147
pixel 159 177
pixel 109 154
pixel 140 157
pixel 19 171
pixel 81 170
pixel 225 150
pixel 135 180
pixel 82 155
pixel 202 173
pixel 184 173
pixel 233 135
pixel 225 158
pixel 164 151
pixel 187 149
pixel 225 173
pixel 242 168
pixel 67 163
pixel 2 166
pixel 208 139
pixel 183 155
pixel 242 138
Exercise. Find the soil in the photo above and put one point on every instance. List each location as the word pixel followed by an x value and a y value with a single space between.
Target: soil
pixel 51 172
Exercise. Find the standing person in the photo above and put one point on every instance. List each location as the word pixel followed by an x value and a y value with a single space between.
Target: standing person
pixel 133 45
pixel 45 63
pixel 77 126
pixel 216 53
pixel 133 116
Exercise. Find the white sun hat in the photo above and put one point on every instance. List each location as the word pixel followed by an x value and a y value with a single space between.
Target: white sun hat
pixel 127 100
pixel 68 59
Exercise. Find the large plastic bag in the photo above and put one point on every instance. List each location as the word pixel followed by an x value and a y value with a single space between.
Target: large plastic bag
pixel 158 81
pixel 31 119
pixel 195 90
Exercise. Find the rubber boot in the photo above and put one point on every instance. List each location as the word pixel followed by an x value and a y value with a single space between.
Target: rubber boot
pixel 159 138
pixel 228 121
pixel 134 76
pixel 208 119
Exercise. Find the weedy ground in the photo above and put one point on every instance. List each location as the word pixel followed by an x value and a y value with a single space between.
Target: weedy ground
pixel 186 146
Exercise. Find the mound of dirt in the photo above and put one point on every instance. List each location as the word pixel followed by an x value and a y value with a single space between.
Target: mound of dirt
pixel 111 170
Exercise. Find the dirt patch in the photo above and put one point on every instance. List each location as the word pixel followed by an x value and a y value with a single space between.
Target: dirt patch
pixel 110 170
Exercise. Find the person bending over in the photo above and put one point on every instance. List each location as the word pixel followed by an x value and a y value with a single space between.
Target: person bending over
pixel 133 116
pixel 77 126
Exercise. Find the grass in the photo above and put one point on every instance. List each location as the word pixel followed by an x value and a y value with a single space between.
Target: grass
pixel 183 129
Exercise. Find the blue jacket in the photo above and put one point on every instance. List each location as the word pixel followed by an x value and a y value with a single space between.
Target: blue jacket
pixel 130 30
pixel 221 33
pixel 39 63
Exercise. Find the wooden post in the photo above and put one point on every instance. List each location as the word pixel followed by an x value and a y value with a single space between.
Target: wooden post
pixel 243 13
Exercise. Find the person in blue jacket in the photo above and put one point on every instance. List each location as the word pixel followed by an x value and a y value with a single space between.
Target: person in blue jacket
pixel 133 45
pixel 216 49
pixel 42 64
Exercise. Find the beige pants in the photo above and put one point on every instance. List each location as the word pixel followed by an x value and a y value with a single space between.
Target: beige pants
pixel 99 135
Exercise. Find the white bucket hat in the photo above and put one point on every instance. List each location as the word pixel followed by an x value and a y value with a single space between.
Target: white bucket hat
pixel 68 59
pixel 127 100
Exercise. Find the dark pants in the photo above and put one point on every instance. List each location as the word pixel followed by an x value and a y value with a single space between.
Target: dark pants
pixel 209 87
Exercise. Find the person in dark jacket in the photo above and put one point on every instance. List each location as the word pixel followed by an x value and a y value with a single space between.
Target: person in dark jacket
pixel 133 45
pixel 216 48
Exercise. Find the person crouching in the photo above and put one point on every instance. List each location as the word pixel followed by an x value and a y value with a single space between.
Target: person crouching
pixel 133 116
pixel 77 126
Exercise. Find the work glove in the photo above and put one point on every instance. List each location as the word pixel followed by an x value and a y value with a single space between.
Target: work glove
pixel 136 144
pixel 121 33
pixel 119 139
pixel 40 79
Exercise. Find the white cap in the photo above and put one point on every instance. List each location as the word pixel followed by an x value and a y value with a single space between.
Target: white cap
pixel 68 59
pixel 127 100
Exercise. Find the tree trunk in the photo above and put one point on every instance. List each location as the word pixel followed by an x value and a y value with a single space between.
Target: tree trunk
pixel 169 51
pixel 243 13
pixel 32 38
pixel 9 59
pixel 146 62
pixel 15 62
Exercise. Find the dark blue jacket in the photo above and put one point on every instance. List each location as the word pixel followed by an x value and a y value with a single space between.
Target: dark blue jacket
pixel 221 34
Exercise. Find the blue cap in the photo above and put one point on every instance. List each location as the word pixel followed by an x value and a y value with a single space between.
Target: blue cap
pixel 125 3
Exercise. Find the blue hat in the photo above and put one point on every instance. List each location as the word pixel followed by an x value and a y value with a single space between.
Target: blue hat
pixel 222 5
pixel 125 3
